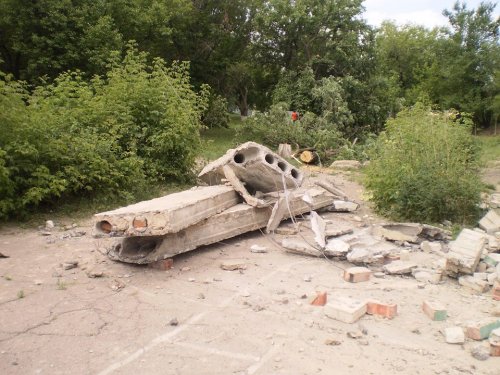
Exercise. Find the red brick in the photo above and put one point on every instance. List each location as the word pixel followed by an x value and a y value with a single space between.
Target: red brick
pixel 357 274
pixel 320 299
pixel 162 265
pixel 382 309
pixel 495 349
pixel 496 292
pixel 434 310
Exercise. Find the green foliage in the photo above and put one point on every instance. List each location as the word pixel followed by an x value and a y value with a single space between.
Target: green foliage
pixel 275 127
pixel 423 168
pixel 106 138
pixel 216 114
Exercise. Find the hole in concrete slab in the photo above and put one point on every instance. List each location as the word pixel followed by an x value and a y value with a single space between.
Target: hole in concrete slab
pixel 294 173
pixel 269 158
pixel 282 166
pixel 135 248
pixel 104 226
pixel 239 158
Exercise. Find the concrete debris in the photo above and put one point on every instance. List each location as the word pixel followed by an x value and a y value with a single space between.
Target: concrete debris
pixel 257 167
pixel 480 353
pixel 286 230
pixel 431 247
pixel 454 335
pixel 335 232
pixel 258 249
pixel 233 265
pixel 337 248
pixel 399 267
pixel 474 283
pixel 434 310
pixel 329 187
pixel 465 253
pixel 342 206
pixel 49 224
pixel 318 226
pixel 494 200
pixel 345 309
pixel 169 214
pixel 491 221
pixel 234 221
pixel 433 276
pixel 302 247
pixel 237 185
pixel 346 164
pixel 399 232
pixel 70 265
pixel 278 213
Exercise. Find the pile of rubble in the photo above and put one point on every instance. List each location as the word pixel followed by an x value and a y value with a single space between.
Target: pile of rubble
pixel 253 188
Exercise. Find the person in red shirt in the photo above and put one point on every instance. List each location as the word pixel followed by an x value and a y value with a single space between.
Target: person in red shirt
pixel 295 116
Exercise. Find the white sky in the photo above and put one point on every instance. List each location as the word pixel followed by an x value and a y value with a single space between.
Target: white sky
pixel 421 12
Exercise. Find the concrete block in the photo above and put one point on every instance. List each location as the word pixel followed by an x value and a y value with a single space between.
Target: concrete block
pixel 168 214
pixel 474 283
pixel 481 330
pixel 256 166
pixel 490 222
pixel 465 253
pixel 399 267
pixel 234 221
pixel 434 310
pixel 382 309
pixel 343 206
pixel 454 335
pixel 357 274
pixel 408 232
pixel 345 309
pixel 337 248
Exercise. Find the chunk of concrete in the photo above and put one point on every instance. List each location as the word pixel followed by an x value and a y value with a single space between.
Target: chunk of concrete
pixel 168 214
pixel 474 283
pixel 318 227
pixel 491 221
pixel 337 248
pixel 465 253
pixel 234 221
pixel 256 166
pixel 454 335
pixel 343 206
pixel 399 267
pixel 399 232
pixel 278 213
pixel 431 247
pixel 233 265
pixel 345 309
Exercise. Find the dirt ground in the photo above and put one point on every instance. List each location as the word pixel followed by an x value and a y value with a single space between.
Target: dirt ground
pixel 199 319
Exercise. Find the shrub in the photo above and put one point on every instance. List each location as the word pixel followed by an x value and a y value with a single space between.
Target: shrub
pixel 276 126
pixel 423 168
pixel 216 115
pixel 107 138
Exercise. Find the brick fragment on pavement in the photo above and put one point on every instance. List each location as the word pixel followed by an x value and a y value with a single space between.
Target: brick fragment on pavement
pixel 387 310
pixel 434 310
pixel 357 274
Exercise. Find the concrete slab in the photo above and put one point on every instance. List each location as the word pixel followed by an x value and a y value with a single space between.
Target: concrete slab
pixel 168 214
pixel 490 222
pixel 234 221
pixel 465 253
pixel 256 166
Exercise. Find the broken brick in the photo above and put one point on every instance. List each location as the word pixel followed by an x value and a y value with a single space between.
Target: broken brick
pixel 162 265
pixel 382 309
pixel 495 349
pixel 434 310
pixel 319 300
pixel 481 330
pixel 496 292
pixel 357 274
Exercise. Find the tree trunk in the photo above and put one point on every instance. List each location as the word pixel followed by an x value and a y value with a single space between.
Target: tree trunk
pixel 243 102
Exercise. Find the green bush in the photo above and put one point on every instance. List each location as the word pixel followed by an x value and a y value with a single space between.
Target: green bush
pixel 106 139
pixel 275 127
pixel 424 168
pixel 216 115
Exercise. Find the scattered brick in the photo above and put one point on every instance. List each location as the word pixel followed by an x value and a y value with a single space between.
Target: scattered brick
pixel 357 274
pixel 319 300
pixel 378 308
pixel 496 292
pixel 474 283
pixel 434 310
pixel 495 349
pixel 481 330
pixel 162 265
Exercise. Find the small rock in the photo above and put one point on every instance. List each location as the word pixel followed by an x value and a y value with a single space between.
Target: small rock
pixel 185 269
pixel 233 265
pixel 38 282
pixel 307 278
pixel 191 279
pixel 363 342
pixel 454 335
pixel 201 296
pixel 379 275
pixel 355 334
pixel 332 342
pixel 480 353
pixel 173 322
pixel 70 265
pixel 95 274
pixel 49 224
pixel 245 294
pixel 258 249
pixel 117 285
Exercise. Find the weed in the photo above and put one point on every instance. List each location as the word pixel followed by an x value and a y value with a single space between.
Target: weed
pixel 20 294
pixel 61 285
pixel 7 277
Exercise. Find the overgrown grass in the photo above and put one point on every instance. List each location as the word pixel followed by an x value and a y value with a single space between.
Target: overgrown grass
pixel 217 141
pixel 490 148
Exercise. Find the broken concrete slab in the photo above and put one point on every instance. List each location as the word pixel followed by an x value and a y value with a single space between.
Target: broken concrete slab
pixel 278 212
pixel 234 221
pixel 465 253
pixel 474 283
pixel 318 227
pixel 491 221
pixel 237 185
pixel 343 206
pixel 332 231
pixel 299 246
pixel 329 187
pixel 337 248
pixel 399 232
pixel 168 214
pixel 346 164
pixel 256 166
pixel 399 267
